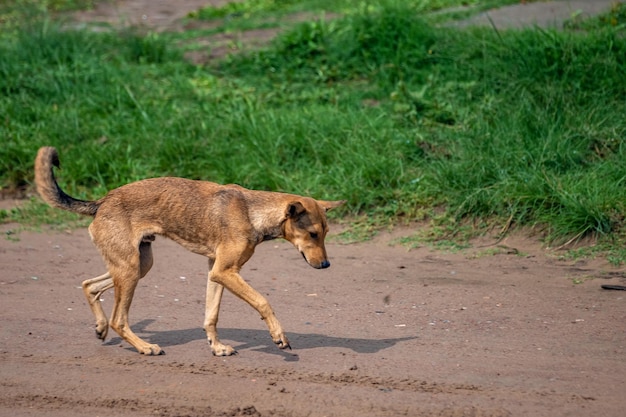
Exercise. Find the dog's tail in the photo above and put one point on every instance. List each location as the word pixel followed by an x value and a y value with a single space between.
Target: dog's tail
pixel 47 159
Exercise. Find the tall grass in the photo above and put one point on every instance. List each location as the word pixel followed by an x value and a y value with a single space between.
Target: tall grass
pixel 378 107
pixel 515 124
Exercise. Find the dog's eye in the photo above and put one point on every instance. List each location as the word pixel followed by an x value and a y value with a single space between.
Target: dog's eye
pixel 313 235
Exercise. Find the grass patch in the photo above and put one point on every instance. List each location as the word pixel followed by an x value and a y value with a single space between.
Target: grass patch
pixel 377 106
pixel 442 233
pixel 610 249
pixel 43 214
pixel 616 16
pixel 249 8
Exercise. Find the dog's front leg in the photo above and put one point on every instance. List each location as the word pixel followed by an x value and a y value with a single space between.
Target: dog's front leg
pixel 231 280
pixel 214 293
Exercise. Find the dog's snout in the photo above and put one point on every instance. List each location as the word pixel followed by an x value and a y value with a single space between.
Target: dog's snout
pixel 322 265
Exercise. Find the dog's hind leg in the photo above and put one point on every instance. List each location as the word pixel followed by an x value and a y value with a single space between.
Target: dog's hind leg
pixel 125 278
pixel 126 271
pixel 94 287
pixel 213 299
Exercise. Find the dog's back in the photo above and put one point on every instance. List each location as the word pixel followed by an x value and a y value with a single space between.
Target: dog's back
pixel 195 214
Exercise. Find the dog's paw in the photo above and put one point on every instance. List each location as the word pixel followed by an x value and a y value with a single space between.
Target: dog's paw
pixel 101 330
pixel 222 350
pixel 282 342
pixel 151 350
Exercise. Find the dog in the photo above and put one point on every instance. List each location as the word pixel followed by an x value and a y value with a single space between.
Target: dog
pixel 222 222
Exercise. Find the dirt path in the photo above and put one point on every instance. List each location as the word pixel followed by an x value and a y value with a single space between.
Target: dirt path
pixel 155 14
pixel 167 15
pixel 384 331
pixel 541 13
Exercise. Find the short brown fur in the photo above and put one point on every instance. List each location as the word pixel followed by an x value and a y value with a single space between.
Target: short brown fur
pixel 222 222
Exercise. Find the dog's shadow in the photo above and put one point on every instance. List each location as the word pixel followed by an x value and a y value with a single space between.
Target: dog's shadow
pixel 259 340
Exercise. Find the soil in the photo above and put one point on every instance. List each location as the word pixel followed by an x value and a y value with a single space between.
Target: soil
pixel 501 329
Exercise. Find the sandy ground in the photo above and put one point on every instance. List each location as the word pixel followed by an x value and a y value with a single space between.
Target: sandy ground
pixel 505 330
pixel 382 332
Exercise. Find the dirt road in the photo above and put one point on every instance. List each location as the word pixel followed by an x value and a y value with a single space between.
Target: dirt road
pixel 383 332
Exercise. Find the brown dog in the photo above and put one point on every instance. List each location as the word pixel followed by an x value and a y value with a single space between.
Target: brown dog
pixel 222 222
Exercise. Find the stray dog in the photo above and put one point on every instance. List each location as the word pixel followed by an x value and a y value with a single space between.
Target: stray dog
pixel 222 222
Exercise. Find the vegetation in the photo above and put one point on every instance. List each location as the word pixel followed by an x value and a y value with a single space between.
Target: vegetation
pixel 403 118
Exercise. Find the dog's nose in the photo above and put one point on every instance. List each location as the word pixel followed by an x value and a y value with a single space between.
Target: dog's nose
pixel 324 264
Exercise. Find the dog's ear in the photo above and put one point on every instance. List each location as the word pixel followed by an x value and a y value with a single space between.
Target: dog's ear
pixel 294 210
pixel 328 205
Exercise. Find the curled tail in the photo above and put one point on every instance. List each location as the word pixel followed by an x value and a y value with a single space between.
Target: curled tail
pixel 47 159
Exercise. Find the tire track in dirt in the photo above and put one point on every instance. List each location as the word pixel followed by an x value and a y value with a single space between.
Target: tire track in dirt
pixel 123 406
pixel 385 384
pixel 274 378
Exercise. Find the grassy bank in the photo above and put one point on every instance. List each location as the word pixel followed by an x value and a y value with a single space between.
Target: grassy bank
pixel 377 106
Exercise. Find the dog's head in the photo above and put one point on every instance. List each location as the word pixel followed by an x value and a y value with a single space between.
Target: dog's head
pixel 305 227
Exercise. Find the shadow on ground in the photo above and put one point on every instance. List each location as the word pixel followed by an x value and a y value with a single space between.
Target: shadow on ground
pixel 259 340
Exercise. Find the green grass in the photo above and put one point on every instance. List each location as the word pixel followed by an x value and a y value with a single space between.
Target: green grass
pixel 615 17
pixel 281 14
pixel 251 8
pixel 377 106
